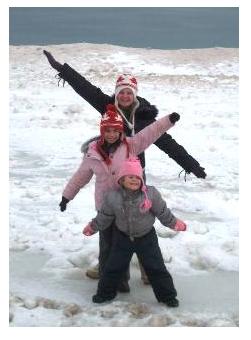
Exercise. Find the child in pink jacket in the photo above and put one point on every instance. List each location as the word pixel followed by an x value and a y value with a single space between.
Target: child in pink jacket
pixel 105 155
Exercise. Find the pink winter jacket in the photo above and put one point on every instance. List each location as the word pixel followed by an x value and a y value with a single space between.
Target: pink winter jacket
pixel 106 175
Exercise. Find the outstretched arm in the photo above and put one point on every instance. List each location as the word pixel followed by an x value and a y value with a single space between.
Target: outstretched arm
pixel 160 210
pixel 164 214
pixel 175 151
pixel 147 136
pixel 92 94
pixel 81 177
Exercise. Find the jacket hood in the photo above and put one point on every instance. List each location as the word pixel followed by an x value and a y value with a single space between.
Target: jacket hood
pixel 85 145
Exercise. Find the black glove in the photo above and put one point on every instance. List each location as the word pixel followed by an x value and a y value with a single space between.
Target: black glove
pixel 63 203
pixel 199 172
pixel 174 117
pixel 55 64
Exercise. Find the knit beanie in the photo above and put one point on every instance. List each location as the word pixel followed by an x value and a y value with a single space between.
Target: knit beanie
pixel 130 167
pixel 111 118
pixel 126 81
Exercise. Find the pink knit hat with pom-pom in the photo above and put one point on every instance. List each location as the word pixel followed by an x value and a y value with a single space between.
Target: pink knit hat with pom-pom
pixel 132 166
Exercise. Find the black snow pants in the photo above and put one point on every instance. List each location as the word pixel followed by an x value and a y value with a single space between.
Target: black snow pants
pixel 149 254
pixel 106 239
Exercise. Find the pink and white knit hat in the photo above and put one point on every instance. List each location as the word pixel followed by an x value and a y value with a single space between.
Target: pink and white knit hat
pixel 132 166
pixel 126 81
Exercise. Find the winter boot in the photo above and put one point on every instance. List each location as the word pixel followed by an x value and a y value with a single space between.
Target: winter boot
pixel 93 272
pixel 172 302
pixel 100 299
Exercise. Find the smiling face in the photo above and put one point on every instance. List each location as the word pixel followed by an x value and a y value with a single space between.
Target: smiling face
pixel 125 98
pixel 131 182
pixel 111 135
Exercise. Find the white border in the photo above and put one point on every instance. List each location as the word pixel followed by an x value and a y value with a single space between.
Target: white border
pixel 177 333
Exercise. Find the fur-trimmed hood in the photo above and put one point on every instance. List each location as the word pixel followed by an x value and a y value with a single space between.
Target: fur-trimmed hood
pixel 85 145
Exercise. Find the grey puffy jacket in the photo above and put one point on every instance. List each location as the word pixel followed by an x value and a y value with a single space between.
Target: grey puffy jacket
pixel 122 206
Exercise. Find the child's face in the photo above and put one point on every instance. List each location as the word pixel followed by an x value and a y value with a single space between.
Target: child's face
pixel 125 97
pixel 131 182
pixel 111 135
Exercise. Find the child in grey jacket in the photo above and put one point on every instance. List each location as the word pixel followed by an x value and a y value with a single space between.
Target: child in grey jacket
pixel 133 208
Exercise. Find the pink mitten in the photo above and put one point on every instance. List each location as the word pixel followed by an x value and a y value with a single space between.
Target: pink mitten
pixel 180 225
pixel 88 231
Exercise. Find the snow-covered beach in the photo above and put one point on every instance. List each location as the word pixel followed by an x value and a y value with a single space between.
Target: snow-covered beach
pixel 47 127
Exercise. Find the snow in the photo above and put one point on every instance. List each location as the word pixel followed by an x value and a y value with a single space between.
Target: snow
pixel 67 285
pixel 47 127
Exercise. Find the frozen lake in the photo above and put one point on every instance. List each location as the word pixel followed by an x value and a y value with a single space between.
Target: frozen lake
pixel 211 298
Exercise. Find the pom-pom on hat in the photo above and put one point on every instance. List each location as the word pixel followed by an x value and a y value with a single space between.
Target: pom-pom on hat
pixel 126 81
pixel 130 167
pixel 111 118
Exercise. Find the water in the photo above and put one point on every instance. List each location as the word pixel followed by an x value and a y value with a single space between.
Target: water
pixel 163 28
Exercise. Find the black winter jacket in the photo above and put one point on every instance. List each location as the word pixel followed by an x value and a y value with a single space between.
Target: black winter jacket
pixel 145 114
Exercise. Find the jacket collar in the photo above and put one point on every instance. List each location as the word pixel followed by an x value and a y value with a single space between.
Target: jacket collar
pixel 129 195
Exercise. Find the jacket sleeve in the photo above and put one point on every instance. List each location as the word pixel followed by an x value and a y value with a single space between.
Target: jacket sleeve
pixel 104 217
pixel 92 94
pixel 160 210
pixel 81 177
pixel 177 152
pixel 143 139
